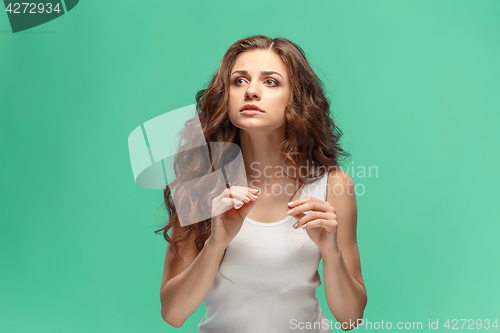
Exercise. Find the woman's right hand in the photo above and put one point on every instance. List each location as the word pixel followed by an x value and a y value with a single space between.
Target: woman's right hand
pixel 226 225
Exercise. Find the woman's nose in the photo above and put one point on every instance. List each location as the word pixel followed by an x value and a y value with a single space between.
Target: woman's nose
pixel 252 93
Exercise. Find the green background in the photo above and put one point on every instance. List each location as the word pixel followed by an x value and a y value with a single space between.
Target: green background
pixel 415 87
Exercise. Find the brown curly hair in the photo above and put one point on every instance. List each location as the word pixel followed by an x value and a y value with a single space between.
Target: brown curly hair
pixel 311 134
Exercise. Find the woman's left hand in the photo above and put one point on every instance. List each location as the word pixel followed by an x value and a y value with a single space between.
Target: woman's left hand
pixel 320 223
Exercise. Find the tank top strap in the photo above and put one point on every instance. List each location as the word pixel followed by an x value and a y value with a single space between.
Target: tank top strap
pixel 316 188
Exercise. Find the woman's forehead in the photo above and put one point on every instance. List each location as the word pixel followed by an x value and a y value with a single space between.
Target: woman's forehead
pixel 259 60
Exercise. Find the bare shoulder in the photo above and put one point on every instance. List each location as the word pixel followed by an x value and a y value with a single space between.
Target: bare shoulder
pixel 341 195
pixel 340 185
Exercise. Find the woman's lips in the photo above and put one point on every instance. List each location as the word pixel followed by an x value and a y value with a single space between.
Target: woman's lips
pixel 251 107
pixel 251 112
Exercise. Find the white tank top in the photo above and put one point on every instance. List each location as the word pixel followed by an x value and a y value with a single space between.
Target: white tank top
pixel 274 272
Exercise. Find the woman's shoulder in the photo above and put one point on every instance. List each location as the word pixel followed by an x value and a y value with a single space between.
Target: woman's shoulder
pixel 339 185
pixel 337 173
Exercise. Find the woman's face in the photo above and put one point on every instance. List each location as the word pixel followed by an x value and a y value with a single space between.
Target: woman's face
pixel 258 77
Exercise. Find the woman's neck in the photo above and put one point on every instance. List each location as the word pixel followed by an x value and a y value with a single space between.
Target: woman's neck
pixel 261 154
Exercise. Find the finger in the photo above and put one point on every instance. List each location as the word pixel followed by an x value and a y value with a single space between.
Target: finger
pixel 243 211
pixel 253 192
pixel 300 201
pixel 236 193
pixel 325 215
pixel 310 204
pixel 245 194
pixel 223 205
pixel 319 223
pixel 250 198
pixel 235 203
pixel 226 203
pixel 235 197
pixel 311 216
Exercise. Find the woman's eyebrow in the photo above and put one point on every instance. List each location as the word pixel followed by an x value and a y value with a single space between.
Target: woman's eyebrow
pixel 262 73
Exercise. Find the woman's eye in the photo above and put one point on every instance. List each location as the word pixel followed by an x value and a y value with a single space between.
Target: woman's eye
pixel 237 80
pixel 275 84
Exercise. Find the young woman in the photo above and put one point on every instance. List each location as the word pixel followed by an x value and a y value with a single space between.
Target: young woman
pixel 256 265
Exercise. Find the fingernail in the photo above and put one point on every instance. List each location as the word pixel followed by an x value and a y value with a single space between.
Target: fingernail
pixel 290 211
pixel 247 199
pixel 295 225
pixel 236 207
pixel 254 196
pixel 239 203
pixel 255 190
pixel 290 204
pixel 304 226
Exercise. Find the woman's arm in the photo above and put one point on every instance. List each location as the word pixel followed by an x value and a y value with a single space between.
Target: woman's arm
pixel 344 287
pixel 185 284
